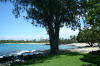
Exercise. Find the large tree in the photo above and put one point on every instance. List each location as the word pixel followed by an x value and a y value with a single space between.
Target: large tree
pixel 50 14
pixel 93 18
pixel 91 34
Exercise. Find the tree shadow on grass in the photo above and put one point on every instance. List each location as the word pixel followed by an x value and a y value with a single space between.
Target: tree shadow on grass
pixel 93 59
pixel 69 53
pixel 35 60
pixel 45 58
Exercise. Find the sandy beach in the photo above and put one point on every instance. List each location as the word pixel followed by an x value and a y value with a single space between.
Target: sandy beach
pixel 83 48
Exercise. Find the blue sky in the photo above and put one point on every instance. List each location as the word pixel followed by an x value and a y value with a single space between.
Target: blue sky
pixel 20 29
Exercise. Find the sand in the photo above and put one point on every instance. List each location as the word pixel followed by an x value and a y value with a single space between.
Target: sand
pixel 83 48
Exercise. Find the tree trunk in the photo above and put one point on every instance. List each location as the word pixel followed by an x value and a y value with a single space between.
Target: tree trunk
pixel 53 45
pixel 54 39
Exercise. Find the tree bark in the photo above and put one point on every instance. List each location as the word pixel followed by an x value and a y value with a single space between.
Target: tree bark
pixel 54 39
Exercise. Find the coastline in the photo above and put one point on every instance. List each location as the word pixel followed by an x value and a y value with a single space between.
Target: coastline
pixel 82 47
pixel 74 44
pixel 24 43
pixel 18 57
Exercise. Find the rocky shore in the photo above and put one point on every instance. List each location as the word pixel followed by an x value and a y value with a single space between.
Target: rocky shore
pixel 20 57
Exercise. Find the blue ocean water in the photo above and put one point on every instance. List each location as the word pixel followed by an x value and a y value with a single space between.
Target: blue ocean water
pixel 6 49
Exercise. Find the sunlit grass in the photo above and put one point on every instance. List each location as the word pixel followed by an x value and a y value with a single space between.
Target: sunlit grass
pixel 64 59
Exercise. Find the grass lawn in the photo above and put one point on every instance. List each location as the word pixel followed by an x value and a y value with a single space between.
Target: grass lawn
pixel 63 59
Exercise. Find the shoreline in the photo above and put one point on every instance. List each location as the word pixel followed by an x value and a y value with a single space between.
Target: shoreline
pixel 82 47
pixel 73 44
pixel 24 43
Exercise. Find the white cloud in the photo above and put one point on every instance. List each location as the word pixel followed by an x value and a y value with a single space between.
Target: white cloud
pixel 41 36
pixel 67 32
pixel 64 33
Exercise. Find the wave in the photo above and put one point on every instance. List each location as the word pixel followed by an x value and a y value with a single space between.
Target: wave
pixel 24 53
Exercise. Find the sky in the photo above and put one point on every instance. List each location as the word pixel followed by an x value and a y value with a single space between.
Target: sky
pixel 19 29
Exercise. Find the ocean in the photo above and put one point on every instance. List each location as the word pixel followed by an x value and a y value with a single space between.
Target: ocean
pixel 10 49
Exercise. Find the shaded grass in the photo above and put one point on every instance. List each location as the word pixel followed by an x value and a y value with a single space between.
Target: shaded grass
pixel 63 59
pixel 94 59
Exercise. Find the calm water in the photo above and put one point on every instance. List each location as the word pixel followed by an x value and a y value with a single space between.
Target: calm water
pixel 6 49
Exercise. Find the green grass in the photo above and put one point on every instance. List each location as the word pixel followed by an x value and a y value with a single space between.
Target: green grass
pixel 63 59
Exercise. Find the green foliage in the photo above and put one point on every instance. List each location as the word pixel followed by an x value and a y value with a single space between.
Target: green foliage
pixel 94 13
pixel 48 12
pixel 25 41
pixel 93 18
pixel 44 12
pixel 43 41
pixel 61 41
pixel 73 39
pixel 89 36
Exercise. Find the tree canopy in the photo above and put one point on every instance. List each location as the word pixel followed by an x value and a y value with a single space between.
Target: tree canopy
pixel 93 18
pixel 51 14
pixel 92 33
